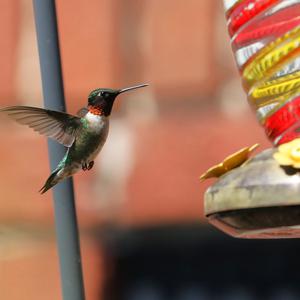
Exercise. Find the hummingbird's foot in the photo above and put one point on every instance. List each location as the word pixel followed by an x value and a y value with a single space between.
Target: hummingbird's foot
pixel 87 167
pixel 91 164
pixel 84 166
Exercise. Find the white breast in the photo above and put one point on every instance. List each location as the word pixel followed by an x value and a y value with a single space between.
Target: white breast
pixel 97 123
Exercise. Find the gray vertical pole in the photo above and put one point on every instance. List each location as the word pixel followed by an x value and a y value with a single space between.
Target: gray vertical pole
pixel 64 205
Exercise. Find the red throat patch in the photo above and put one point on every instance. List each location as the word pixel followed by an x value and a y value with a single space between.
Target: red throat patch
pixel 95 110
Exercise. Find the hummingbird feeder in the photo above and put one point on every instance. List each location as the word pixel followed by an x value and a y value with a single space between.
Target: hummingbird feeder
pixel 260 197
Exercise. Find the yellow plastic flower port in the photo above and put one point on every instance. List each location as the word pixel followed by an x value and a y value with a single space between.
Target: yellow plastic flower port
pixel 230 162
pixel 289 154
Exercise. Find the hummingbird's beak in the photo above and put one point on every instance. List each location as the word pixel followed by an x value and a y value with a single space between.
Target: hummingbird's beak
pixel 132 88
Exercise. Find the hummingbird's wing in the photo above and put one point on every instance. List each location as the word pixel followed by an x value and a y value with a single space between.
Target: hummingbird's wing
pixel 57 125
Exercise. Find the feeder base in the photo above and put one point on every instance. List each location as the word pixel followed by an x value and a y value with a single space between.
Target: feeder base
pixel 259 199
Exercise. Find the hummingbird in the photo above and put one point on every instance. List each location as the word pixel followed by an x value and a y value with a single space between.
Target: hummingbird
pixel 83 134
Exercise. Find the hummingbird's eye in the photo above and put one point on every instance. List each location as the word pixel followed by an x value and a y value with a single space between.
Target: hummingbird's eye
pixel 104 94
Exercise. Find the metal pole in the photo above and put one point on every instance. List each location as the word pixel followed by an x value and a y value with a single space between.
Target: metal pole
pixel 64 205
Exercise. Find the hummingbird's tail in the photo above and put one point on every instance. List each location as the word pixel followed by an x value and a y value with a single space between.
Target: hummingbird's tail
pixel 51 181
